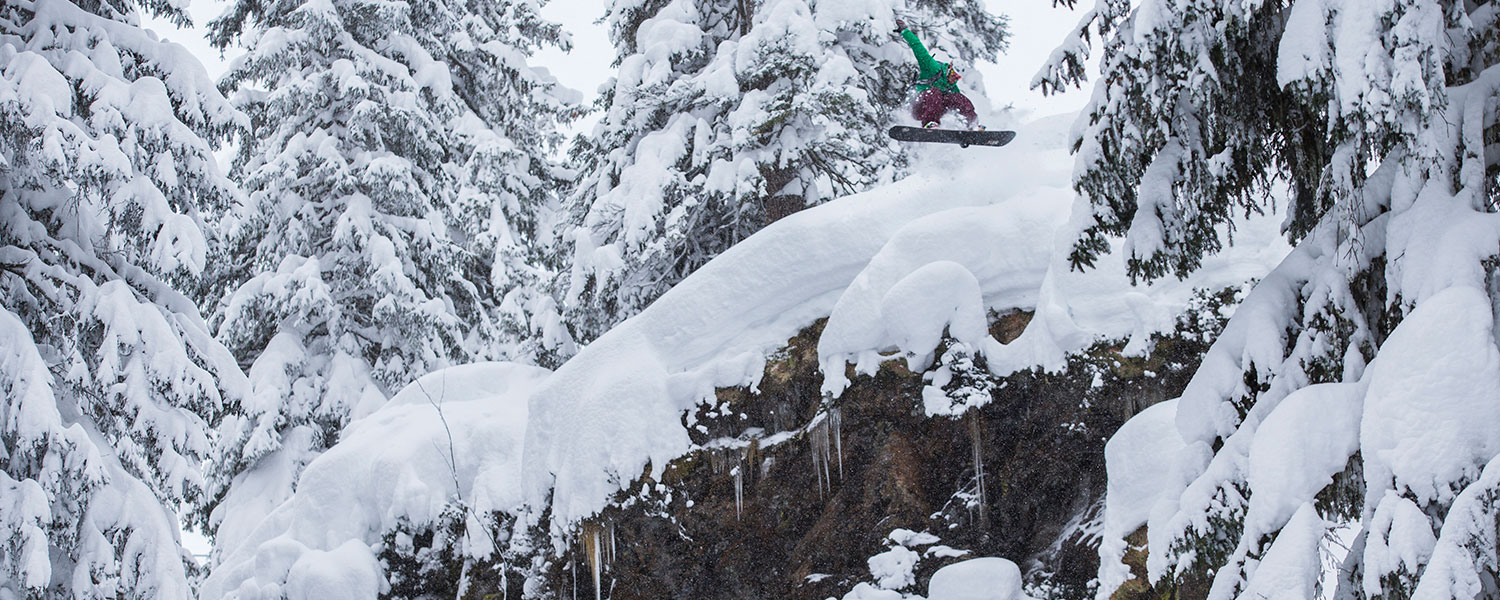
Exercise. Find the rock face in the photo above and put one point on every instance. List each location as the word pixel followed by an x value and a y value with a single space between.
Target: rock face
pixel 793 493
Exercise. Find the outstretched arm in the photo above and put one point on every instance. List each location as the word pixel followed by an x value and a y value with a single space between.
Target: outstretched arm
pixel 925 62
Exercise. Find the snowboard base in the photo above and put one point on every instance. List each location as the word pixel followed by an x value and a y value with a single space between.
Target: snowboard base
pixel 963 137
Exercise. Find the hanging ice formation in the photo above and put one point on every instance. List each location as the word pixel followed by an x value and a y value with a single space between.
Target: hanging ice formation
pixel 823 451
pixel 836 421
pixel 736 461
pixel 739 490
pixel 598 553
pixel 819 435
pixel 975 427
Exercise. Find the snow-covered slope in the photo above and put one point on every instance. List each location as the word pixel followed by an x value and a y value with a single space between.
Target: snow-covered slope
pixel 975 230
pixel 454 434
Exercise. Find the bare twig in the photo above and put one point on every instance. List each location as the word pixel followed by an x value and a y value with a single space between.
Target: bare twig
pixel 452 462
pixel 452 458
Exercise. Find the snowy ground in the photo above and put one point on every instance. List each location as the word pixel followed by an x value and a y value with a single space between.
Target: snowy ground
pixel 976 229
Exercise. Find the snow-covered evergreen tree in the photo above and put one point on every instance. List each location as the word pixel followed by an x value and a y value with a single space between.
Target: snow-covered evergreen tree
pixel 725 115
pixel 398 176
pixel 1356 384
pixel 109 376
pixel 960 382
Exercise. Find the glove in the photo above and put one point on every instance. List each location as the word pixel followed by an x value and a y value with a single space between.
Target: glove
pixel 900 25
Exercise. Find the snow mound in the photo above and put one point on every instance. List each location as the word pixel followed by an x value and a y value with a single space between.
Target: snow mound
pixel 865 591
pixel 938 271
pixel 1298 449
pixel 1434 398
pixel 989 578
pixel 1135 483
pixel 892 569
pixel 460 426
pixel 1291 567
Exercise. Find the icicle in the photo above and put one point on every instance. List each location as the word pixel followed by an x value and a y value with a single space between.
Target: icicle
pixel 836 419
pixel 611 542
pixel 820 455
pixel 827 453
pixel 591 540
pixel 716 461
pixel 598 591
pixel 739 491
pixel 813 440
pixel 974 438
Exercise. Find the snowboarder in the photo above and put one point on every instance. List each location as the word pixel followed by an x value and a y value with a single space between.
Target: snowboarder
pixel 937 87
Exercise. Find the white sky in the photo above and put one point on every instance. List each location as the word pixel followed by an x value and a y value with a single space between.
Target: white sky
pixel 1036 28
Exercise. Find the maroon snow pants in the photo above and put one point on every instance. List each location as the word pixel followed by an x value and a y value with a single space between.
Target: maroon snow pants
pixel 932 104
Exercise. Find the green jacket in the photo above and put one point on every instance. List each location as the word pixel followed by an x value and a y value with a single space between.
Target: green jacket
pixel 930 73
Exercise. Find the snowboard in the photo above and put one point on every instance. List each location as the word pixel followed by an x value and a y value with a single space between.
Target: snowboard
pixel 964 138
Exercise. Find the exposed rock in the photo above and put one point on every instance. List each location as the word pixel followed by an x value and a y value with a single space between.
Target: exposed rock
pixel 792 493
pixel 795 536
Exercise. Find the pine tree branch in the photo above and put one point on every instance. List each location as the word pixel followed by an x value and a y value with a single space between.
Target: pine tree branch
pixel 18 268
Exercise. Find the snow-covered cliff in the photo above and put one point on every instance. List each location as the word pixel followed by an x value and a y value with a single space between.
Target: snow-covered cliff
pixel 978 232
